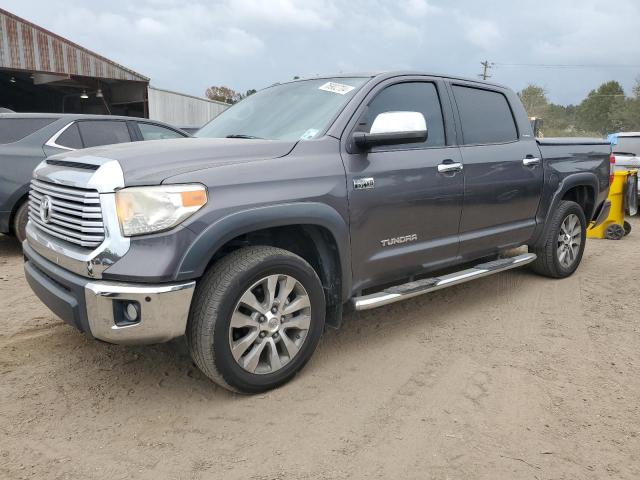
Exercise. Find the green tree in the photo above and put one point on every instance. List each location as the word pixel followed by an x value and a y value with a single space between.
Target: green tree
pixel 603 111
pixel 223 94
pixel 535 101
pixel 558 120
pixel 630 116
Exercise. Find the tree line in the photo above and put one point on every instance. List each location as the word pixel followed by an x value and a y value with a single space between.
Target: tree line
pixel 605 110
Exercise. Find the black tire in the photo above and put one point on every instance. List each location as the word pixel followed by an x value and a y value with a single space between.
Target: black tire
pixel 20 221
pixel 627 228
pixel 548 261
pixel 614 232
pixel 215 300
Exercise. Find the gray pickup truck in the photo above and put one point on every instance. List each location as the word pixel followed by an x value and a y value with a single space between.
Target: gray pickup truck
pixel 305 197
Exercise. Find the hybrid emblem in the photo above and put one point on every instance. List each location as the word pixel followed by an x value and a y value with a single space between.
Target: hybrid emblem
pixel 46 205
pixel 387 242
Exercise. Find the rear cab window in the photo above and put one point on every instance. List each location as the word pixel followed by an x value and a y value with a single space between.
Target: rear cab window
pixel 15 129
pixel 103 132
pixel 149 131
pixel 70 138
pixel 627 145
pixel 485 115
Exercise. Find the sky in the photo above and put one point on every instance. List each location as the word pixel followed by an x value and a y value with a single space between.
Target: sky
pixel 244 44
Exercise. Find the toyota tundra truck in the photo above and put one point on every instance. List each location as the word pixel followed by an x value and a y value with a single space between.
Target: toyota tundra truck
pixel 304 199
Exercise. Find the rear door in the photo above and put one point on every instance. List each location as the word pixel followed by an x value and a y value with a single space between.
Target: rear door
pixel 404 213
pixel 502 169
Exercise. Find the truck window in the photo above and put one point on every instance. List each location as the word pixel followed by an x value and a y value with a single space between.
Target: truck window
pixel 410 97
pixel 70 138
pixel 299 110
pixel 150 131
pixel 14 129
pixel 103 132
pixel 629 145
pixel 485 116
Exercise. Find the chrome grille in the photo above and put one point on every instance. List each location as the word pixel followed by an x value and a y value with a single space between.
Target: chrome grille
pixel 75 213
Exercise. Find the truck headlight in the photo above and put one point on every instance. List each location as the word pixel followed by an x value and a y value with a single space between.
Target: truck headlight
pixel 143 210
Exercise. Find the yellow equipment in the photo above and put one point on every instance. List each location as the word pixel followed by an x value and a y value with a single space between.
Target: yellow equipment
pixel 615 227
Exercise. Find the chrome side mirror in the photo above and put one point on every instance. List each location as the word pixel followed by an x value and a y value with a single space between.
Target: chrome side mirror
pixel 394 128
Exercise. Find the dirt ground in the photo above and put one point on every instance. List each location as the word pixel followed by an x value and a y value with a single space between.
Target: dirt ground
pixel 509 377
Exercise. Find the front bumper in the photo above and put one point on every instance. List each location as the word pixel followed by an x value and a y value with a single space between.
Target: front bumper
pixel 97 307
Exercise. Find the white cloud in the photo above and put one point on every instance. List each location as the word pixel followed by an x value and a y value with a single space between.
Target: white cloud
pixel 151 26
pixel 418 8
pixel 304 14
pixel 188 46
pixel 481 33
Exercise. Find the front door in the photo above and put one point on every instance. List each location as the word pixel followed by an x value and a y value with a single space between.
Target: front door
pixel 404 212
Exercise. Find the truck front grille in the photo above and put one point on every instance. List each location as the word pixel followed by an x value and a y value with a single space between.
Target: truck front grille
pixel 73 214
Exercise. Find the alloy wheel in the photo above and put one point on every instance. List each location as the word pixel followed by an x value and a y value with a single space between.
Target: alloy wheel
pixel 269 324
pixel 569 240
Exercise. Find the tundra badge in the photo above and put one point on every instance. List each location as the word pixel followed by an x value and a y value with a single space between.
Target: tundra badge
pixel 387 242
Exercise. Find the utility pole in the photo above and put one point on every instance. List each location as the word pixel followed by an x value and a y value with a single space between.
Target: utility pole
pixel 486 65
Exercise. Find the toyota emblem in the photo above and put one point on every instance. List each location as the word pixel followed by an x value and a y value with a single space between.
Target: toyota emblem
pixel 46 205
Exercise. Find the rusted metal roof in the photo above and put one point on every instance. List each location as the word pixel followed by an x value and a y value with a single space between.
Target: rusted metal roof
pixel 26 46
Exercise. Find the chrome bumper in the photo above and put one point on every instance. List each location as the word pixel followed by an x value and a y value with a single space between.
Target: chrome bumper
pixel 98 308
pixel 163 311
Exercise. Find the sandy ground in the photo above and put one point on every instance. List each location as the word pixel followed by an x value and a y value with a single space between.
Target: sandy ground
pixel 509 377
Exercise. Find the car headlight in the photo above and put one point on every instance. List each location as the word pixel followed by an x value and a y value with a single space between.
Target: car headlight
pixel 143 210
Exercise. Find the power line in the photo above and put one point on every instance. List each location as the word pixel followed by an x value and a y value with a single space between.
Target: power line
pixel 563 65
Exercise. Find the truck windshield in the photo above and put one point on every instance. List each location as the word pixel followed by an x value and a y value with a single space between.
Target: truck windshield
pixel 628 145
pixel 291 111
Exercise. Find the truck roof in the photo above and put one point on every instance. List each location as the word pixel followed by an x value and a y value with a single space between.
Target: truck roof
pixel 396 73
pixel 70 116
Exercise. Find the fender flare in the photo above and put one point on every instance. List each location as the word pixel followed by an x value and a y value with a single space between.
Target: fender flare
pixel 197 257
pixel 582 179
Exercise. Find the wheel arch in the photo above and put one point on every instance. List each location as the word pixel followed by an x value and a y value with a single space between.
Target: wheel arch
pixel 317 233
pixel 581 188
pixel 21 199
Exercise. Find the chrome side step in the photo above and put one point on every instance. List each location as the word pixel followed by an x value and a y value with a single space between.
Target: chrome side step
pixel 420 287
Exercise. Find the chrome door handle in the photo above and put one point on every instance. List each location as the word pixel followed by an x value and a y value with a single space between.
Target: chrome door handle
pixel 449 167
pixel 531 161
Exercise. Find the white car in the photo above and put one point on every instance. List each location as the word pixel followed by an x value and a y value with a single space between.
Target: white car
pixel 626 148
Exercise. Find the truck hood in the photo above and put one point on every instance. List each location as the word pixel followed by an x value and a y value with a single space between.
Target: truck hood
pixel 151 162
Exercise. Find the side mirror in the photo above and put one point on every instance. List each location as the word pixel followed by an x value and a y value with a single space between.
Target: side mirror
pixel 393 128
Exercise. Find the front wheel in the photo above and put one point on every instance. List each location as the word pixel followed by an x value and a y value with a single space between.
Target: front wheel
pixel 256 319
pixel 563 245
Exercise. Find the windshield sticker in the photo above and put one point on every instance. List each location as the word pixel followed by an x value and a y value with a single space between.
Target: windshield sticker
pixel 334 87
pixel 309 134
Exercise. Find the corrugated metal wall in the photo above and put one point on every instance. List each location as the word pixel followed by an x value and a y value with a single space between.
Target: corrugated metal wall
pixel 25 46
pixel 182 110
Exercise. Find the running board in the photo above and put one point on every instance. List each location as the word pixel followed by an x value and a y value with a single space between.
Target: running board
pixel 420 287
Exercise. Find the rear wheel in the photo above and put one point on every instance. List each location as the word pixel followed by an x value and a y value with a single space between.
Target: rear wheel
pixel 20 220
pixel 563 245
pixel 256 319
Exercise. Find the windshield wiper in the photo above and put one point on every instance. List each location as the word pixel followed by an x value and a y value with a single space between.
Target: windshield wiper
pixel 624 153
pixel 248 137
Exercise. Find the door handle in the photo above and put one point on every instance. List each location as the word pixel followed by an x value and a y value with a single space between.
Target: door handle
pixel 450 167
pixel 530 161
